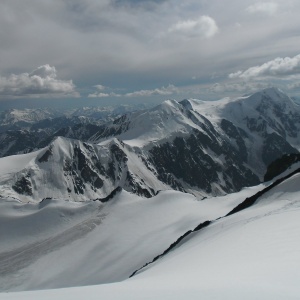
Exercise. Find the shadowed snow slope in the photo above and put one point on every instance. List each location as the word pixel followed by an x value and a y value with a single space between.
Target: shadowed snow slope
pixel 253 254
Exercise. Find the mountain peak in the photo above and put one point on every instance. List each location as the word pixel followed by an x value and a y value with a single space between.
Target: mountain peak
pixel 270 97
pixel 272 92
pixel 168 105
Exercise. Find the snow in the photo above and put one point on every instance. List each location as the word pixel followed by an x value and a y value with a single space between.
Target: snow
pixel 253 254
pixel 159 124
pixel 62 240
pixel 15 163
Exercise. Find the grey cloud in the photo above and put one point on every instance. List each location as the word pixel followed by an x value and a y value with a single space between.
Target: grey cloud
pixel 204 26
pixel 117 42
pixel 40 82
pixel 240 87
pixel 269 8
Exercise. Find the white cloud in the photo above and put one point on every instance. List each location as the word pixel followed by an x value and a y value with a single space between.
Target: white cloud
pixel 269 8
pixel 275 68
pixel 100 87
pixel 164 91
pixel 98 95
pixel 44 71
pixel 40 82
pixel 204 26
pixel 101 94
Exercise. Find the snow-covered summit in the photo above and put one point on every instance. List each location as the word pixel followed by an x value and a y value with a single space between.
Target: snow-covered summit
pixel 77 171
pixel 165 121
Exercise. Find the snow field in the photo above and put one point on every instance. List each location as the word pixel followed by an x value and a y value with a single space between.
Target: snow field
pixel 253 254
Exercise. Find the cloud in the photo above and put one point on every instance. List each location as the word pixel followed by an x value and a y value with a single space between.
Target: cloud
pixel 100 87
pixel 269 8
pixel 98 95
pixel 293 86
pixel 143 44
pixel 240 87
pixel 101 94
pixel 204 26
pixel 44 71
pixel 163 91
pixel 40 82
pixel 275 68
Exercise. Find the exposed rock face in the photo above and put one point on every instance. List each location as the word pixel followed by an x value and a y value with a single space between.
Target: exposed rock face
pixel 23 186
pixel 280 165
pixel 176 166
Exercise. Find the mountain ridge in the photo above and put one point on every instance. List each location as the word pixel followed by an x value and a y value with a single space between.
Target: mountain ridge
pixel 191 146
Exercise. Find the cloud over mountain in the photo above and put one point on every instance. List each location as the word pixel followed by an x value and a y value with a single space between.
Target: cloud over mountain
pixel 40 82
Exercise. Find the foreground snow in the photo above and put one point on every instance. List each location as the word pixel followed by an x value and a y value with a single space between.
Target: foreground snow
pixel 73 244
pixel 253 254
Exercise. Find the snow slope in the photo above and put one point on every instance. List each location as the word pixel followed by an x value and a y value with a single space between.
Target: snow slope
pixel 253 254
pixel 59 243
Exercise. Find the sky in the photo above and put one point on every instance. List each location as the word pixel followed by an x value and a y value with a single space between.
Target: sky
pixel 146 50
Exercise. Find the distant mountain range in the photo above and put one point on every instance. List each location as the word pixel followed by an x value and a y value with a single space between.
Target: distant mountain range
pixel 200 147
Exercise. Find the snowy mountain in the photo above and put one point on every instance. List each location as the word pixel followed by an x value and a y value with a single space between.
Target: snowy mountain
pixel 239 137
pixel 204 148
pixel 71 169
pixel 269 117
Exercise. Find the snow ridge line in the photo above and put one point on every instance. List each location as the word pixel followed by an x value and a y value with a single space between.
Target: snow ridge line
pixel 251 200
pixel 110 196
pixel 243 205
pixel 173 245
